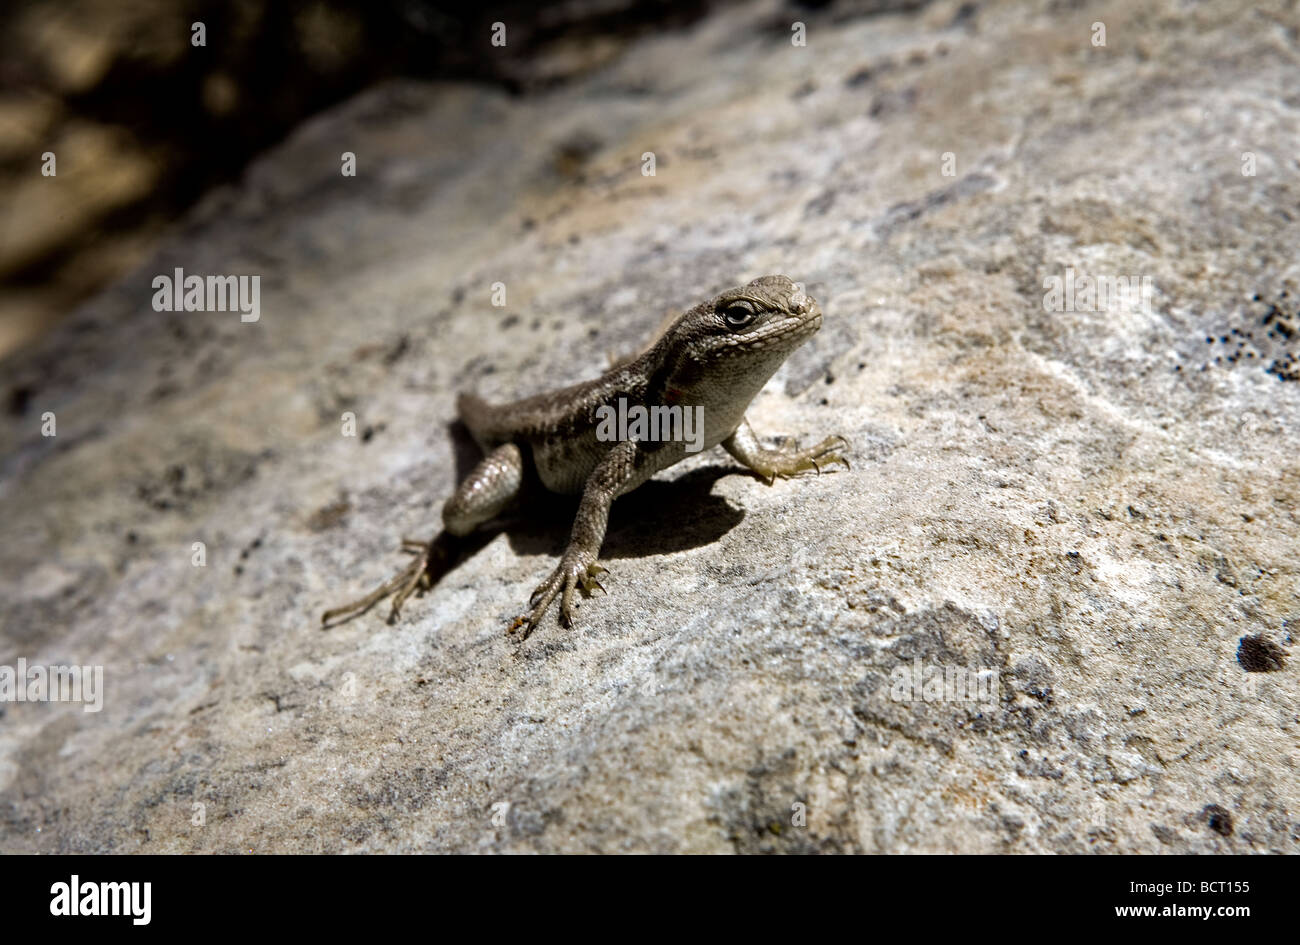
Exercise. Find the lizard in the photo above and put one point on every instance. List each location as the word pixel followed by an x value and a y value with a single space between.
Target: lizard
pixel 716 356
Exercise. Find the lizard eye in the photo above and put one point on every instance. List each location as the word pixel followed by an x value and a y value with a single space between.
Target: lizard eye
pixel 738 314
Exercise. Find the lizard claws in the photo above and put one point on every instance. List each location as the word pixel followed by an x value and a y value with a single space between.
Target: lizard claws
pixel 568 576
pixel 788 463
pixel 589 581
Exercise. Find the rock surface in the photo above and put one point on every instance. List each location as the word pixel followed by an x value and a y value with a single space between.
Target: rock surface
pixel 1092 507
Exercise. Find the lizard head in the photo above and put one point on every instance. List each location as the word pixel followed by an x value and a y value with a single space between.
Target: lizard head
pixel 749 329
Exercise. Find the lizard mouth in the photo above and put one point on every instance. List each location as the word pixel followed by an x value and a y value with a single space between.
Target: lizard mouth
pixel 805 319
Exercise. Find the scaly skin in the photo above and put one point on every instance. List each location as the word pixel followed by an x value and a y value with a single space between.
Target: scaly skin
pixel 717 356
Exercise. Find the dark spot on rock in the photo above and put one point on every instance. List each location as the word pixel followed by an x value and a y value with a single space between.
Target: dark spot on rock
pixel 860 77
pixel 20 399
pixel 1257 654
pixel 1217 819
pixel 572 156
pixel 965 13
pixel 399 348
pixel 820 204
pixel 890 102
pixel 328 516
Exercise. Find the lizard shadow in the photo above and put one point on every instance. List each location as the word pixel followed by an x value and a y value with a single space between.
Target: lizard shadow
pixel 636 519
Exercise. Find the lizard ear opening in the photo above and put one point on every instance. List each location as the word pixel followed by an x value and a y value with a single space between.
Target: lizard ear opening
pixel 738 314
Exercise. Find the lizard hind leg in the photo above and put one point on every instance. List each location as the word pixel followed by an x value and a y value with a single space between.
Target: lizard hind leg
pixel 486 492
pixel 418 575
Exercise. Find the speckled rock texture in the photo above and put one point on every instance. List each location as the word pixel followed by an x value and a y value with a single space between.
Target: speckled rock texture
pixel 1087 505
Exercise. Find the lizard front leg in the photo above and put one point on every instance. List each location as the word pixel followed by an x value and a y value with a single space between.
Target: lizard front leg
pixel 783 463
pixel 621 469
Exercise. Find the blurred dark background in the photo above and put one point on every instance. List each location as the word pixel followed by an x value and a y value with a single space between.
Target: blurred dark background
pixel 143 123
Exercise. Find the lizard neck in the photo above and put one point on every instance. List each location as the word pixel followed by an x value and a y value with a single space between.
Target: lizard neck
pixel 723 387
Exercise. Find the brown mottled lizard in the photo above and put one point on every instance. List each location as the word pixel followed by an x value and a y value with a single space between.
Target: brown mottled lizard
pixel 717 357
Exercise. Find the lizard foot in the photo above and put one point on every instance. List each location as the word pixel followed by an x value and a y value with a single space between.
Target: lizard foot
pixel 415 576
pixel 786 463
pixel 571 573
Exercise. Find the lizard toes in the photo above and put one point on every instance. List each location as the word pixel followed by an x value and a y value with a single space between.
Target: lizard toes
pixel 538 603
pixel 571 578
pixel 541 591
pixel 529 623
